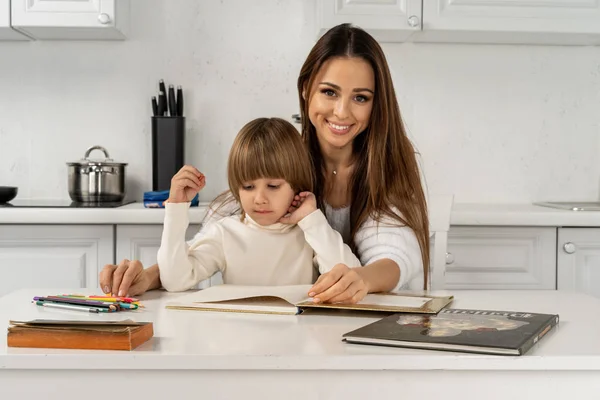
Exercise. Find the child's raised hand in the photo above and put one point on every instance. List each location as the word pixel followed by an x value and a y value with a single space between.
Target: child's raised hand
pixel 303 204
pixel 186 183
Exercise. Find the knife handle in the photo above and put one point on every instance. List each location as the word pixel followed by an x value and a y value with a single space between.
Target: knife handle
pixel 161 86
pixel 162 103
pixel 179 101
pixel 154 106
pixel 172 105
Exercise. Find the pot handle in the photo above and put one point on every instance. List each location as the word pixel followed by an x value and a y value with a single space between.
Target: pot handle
pixel 87 153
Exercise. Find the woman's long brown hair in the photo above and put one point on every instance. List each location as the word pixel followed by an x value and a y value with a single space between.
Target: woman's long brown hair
pixel 386 172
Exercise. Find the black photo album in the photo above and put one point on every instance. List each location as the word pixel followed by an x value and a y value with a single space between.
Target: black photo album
pixel 473 331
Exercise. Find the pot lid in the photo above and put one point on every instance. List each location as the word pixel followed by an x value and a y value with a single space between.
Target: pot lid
pixel 86 160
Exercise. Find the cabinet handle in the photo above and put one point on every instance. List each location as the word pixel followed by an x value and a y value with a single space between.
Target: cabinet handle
pixel 414 21
pixel 104 18
pixel 449 258
pixel 569 248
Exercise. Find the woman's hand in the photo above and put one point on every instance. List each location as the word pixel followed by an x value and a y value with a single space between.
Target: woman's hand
pixel 186 183
pixel 340 285
pixel 129 278
pixel 303 204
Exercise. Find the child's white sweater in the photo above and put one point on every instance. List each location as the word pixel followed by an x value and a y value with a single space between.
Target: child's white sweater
pixel 247 253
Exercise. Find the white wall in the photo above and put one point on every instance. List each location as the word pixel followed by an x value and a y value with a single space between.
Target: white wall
pixel 493 123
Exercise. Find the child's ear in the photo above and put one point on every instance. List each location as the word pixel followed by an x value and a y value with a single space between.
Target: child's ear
pixel 304 92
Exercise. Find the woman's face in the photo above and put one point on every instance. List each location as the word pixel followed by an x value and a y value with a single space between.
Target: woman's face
pixel 341 101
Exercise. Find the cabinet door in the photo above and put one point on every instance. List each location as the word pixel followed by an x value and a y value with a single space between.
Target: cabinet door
pixel 6 30
pixel 71 19
pixel 579 260
pixel 511 21
pixel 501 258
pixel 386 20
pixel 141 242
pixel 53 256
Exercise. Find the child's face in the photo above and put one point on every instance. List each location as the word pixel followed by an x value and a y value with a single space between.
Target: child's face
pixel 266 200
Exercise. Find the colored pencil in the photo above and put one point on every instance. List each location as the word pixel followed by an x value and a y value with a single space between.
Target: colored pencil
pixel 70 307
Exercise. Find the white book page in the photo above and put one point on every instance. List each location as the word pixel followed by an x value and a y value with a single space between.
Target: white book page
pixel 394 300
pixel 255 304
pixel 293 294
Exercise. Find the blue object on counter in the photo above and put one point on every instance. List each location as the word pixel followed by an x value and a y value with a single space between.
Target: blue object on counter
pixel 156 199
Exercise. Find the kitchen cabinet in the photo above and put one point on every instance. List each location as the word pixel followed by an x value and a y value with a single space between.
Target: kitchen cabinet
pixel 6 30
pixel 579 260
pixel 141 242
pixel 482 257
pixel 564 22
pixel 387 20
pixel 53 256
pixel 71 19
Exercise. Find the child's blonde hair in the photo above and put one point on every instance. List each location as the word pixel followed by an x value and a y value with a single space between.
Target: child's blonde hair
pixel 266 148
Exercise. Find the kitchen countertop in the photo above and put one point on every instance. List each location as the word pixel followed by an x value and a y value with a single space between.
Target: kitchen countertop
pixel 253 356
pixel 520 215
pixel 134 213
pixel 462 214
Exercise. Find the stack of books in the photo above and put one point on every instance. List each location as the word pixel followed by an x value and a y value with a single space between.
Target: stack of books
pixel 91 335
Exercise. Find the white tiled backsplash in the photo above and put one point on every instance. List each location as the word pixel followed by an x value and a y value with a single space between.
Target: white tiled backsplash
pixel 493 123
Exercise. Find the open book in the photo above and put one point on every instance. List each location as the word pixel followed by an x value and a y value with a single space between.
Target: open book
pixel 293 299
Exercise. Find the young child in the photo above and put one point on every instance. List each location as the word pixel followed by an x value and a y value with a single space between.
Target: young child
pixel 268 167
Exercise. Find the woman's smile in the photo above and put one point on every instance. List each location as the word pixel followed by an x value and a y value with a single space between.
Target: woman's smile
pixel 338 129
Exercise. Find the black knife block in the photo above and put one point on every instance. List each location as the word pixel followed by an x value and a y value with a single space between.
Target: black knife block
pixel 168 148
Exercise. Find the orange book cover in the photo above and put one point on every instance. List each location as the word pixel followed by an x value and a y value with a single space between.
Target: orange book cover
pixel 89 335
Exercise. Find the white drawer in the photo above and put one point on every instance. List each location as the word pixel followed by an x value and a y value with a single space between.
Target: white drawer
pixel 501 258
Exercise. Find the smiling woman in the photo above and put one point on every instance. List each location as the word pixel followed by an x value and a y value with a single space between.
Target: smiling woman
pixel 367 176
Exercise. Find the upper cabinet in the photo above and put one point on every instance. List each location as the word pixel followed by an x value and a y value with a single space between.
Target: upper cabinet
pixel 71 19
pixel 561 22
pixel 512 21
pixel 387 20
pixel 6 30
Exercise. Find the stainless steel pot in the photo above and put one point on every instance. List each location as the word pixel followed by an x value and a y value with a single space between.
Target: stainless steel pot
pixel 96 180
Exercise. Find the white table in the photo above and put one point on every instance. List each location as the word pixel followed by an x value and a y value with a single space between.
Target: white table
pixel 210 355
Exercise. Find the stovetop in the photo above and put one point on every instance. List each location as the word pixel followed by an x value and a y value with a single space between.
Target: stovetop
pixel 61 203
pixel 572 205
